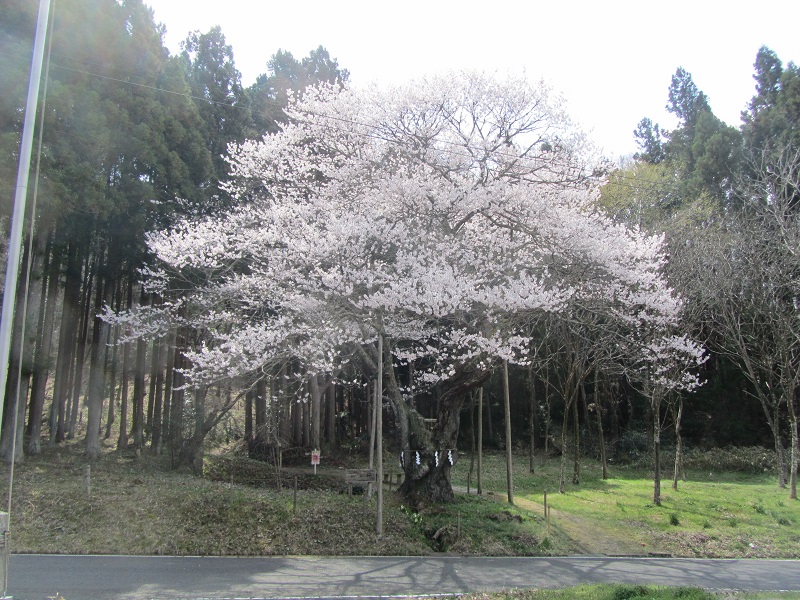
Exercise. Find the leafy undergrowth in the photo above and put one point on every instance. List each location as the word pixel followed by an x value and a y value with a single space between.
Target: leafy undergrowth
pixel 715 513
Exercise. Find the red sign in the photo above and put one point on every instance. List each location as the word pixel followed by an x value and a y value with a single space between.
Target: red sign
pixel 315 454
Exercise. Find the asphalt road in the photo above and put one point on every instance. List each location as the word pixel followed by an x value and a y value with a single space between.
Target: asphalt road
pixel 38 577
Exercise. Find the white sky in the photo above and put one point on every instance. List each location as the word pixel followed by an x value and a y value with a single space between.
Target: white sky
pixel 611 59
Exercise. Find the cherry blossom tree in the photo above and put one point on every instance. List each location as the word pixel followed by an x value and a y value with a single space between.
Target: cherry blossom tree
pixel 665 365
pixel 442 217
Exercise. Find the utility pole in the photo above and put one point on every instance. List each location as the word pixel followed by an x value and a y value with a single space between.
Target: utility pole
pixel 15 250
pixel 20 198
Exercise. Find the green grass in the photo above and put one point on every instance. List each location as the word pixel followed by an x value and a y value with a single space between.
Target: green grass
pixel 137 505
pixel 710 515
pixel 628 592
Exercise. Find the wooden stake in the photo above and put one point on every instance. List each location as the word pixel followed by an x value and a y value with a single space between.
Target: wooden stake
pixel 480 439
pixel 509 458
pixel 379 435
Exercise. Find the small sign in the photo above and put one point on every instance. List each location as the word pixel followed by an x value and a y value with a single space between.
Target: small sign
pixel 315 455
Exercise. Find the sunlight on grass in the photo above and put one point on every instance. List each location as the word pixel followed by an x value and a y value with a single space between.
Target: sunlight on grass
pixel 708 515
pixel 178 513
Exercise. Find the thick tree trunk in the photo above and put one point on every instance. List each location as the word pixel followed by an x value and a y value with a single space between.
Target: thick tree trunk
pixel 112 382
pixel 678 470
pixel 794 451
pixel 178 396
pixel 656 407
pixel 169 374
pixel 258 440
pixel 138 395
pixel 297 421
pixel 490 424
pixel 373 424
pixel 427 456
pixel 549 412
pixel 316 406
pixel 586 420
pixel 331 408
pixel 96 388
pixel 10 421
pixel 285 432
pixel 18 380
pixel 44 348
pixel 155 361
pixel 249 438
pixel 122 438
pixel 137 401
pixel 158 402
pixel 570 395
pixel 471 440
pixel 192 449
pixel 90 275
pixel 479 483
pixel 266 406
pixel 66 348
pixel 576 440
pixel 783 465
pixel 306 422
pixel 562 479
pixel 192 452
pixel 600 434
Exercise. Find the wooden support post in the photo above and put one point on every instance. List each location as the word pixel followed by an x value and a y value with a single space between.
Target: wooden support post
pixel 379 435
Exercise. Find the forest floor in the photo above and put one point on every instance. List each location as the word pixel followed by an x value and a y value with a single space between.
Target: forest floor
pixel 129 504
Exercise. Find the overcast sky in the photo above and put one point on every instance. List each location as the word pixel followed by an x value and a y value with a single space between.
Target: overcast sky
pixel 612 60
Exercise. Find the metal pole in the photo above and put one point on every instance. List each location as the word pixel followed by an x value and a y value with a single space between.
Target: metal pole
pixel 14 251
pixel 20 197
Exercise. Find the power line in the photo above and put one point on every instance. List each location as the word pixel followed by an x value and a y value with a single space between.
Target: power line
pixel 128 81
pixel 143 85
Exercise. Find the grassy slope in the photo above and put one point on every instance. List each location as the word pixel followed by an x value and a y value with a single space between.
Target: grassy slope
pixel 137 506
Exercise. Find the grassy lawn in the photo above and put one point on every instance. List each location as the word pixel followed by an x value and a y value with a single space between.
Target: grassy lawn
pixel 136 505
pixel 712 514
